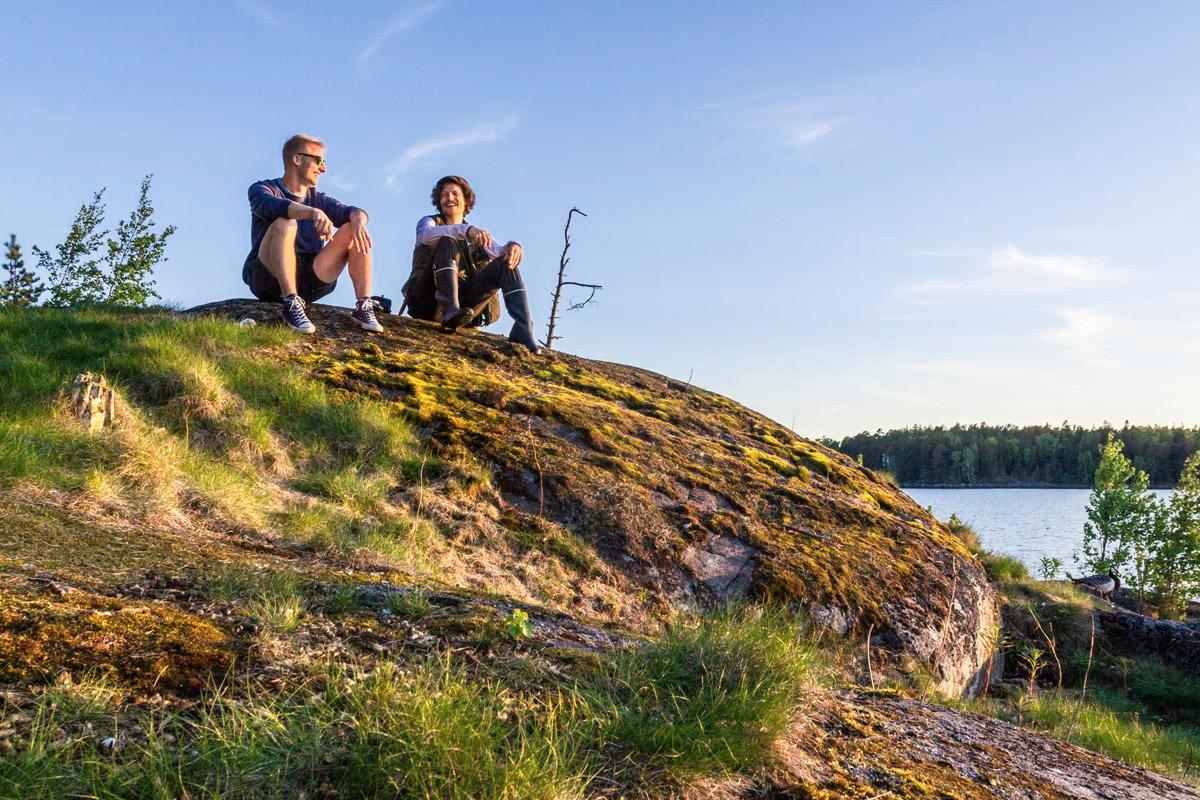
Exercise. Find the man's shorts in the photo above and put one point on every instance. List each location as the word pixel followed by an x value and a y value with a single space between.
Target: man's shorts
pixel 264 286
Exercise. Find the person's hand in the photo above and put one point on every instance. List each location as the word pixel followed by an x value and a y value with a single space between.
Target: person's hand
pixel 360 239
pixel 512 252
pixel 322 223
pixel 479 237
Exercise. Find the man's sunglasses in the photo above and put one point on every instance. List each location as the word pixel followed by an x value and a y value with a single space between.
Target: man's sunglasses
pixel 319 159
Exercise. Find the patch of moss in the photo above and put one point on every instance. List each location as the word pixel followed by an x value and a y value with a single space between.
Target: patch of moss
pixel 147 646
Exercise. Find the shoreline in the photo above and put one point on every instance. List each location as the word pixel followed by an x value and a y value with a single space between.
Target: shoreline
pixel 904 486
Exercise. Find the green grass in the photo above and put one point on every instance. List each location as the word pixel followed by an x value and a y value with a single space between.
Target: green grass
pixel 1104 722
pixel 215 419
pixel 1155 689
pixel 412 605
pixel 207 382
pixel 428 732
pixel 966 533
pixel 1002 567
pixel 711 697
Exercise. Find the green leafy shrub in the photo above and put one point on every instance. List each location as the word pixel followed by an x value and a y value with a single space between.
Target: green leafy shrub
pixel 516 626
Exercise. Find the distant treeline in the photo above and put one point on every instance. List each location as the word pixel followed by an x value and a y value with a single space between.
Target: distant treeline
pixel 1005 455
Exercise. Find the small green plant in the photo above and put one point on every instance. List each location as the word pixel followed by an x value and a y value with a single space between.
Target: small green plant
pixel 1033 661
pixel 342 599
pixel 278 608
pixel 516 626
pixel 1048 568
pixel 411 606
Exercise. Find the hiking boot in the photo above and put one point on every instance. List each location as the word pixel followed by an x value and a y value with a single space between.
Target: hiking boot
pixel 294 315
pixel 364 314
pixel 517 306
pixel 445 282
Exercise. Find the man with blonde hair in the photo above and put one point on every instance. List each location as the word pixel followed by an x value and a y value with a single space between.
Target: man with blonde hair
pixel 302 239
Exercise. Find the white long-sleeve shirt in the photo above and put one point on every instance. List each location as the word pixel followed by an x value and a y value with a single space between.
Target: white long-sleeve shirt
pixel 428 232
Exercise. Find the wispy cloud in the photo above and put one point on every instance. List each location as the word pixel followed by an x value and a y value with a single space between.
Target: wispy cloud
pixel 264 14
pixel 1084 334
pixel 783 124
pixel 1010 270
pixel 411 17
pixel 423 150
pixel 805 134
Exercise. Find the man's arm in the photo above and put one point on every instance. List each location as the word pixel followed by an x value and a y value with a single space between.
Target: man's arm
pixel 428 233
pixel 341 214
pixel 267 206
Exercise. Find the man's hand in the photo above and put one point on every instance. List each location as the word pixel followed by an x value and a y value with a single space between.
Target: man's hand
pixel 322 223
pixel 360 239
pixel 479 237
pixel 512 252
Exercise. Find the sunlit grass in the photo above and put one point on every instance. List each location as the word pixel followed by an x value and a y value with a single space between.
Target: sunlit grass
pixel 1103 721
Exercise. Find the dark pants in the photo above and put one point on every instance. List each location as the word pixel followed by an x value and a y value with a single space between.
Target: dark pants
pixel 264 286
pixel 477 286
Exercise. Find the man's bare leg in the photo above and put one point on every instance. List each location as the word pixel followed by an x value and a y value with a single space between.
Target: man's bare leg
pixel 330 262
pixel 278 254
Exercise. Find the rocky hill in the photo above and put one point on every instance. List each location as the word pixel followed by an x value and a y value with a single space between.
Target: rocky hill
pixel 270 507
pixel 686 497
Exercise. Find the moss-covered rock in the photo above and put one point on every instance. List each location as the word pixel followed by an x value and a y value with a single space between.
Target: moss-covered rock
pixel 687 494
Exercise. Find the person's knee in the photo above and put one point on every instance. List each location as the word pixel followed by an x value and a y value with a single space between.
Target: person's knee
pixel 283 227
pixel 445 250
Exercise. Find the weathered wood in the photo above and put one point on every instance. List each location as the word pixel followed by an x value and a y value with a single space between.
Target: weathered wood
pixel 93 402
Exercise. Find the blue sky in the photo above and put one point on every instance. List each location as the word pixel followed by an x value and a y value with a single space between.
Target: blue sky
pixel 850 215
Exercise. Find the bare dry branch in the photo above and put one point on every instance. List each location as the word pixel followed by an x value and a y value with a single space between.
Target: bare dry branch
pixel 562 269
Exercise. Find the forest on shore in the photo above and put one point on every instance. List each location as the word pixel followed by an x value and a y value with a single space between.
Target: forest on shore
pixel 1008 455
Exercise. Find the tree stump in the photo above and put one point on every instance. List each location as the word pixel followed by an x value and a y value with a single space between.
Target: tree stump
pixel 93 402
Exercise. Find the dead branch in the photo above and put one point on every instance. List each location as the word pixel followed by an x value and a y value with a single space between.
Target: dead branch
pixel 563 260
pixel 593 286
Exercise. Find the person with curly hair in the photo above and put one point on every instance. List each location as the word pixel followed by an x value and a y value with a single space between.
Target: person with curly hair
pixel 458 269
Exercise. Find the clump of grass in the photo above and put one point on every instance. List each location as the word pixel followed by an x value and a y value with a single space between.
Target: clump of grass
pixel 279 605
pixel 347 486
pixel 562 545
pixel 1165 691
pixel 343 598
pixel 435 734
pixel 411 606
pixel 711 697
pixel 1003 568
pixel 230 582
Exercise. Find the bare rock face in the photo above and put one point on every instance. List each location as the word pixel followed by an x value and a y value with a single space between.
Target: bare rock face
pixel 723 564
pixel 862 745
pixel 1176 643
pixel 693 497
pixel 93 402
